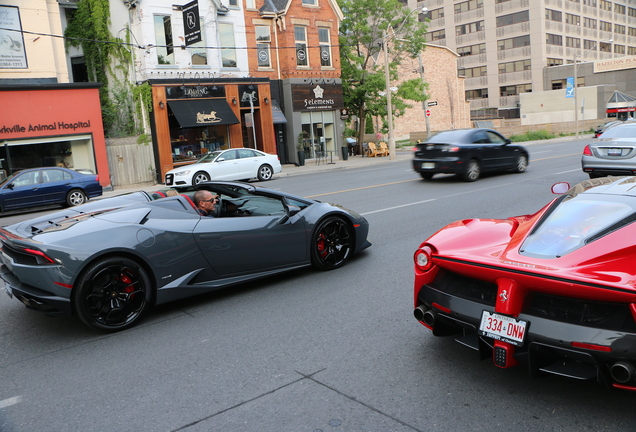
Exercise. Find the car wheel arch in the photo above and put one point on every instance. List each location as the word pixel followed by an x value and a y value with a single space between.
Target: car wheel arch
pixel 86 265
pixel 332 215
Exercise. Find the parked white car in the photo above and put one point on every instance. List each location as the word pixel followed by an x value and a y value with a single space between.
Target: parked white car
pixel 231 164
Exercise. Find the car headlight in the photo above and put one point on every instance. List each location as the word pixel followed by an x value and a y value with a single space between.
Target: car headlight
pixel 182 173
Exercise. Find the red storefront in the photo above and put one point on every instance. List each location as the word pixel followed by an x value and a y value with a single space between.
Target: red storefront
pixel 52 125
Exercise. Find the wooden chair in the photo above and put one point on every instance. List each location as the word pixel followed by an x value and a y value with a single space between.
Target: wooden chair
pixel 371 150
pixel 383 150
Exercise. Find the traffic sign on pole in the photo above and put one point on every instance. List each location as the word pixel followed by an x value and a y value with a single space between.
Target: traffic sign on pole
pixel 428 113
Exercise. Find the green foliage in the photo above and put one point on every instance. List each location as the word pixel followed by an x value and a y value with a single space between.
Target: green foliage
pixel 368 129
pixel 143 139
pixel 302 136
pixel 532 136
pixel 362 34
pixel 106 60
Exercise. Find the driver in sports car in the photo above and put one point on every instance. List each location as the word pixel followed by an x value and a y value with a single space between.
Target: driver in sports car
pixel 206 203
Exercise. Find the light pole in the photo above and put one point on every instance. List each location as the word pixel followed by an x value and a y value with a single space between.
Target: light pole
pixel 387 79
pixel 576 75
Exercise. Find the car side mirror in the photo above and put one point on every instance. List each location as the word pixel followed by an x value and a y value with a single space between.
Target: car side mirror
pixel 221 159
pixel 10 186
pixel 290 210
pixel 508 141
pixel 560 188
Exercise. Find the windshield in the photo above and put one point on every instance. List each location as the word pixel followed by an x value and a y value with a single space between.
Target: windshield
pixel 620 131
pixel 575 222
pixel 209 157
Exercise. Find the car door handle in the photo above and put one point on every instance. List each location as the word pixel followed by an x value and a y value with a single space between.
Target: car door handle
pixel 210 236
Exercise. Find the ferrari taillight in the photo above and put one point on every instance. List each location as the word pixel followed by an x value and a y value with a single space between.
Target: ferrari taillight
pixel 423 258
pixel 587 151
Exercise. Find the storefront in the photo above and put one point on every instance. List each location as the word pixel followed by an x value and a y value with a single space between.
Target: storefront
pixel 317 128
pixel 52 125
pixel 191 119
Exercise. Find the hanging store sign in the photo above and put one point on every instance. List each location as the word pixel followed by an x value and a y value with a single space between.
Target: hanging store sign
pixel 191 23
pixel 12 53
pixel 317 97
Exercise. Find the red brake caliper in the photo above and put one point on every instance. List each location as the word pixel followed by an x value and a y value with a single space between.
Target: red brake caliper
pixel 321 245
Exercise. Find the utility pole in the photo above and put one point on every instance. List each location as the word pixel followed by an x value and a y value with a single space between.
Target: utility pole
pixel 424 107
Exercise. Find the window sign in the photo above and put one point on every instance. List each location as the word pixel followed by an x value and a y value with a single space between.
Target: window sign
pixel 12 53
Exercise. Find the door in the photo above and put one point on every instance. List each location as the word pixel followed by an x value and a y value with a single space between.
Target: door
pixel 228 168
pixel 248 163
pixel 22 191
pixel 55 184
pixel 265 240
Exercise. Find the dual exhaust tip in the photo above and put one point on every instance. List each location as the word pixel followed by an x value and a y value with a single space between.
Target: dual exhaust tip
pixel 425 315
pixel 623 372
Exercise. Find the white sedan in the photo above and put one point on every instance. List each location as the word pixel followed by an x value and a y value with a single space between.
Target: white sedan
pixel 231 164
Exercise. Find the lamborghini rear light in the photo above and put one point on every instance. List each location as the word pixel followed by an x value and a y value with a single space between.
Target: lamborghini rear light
pixel 587 151
pixel 423 258
pixel 40 256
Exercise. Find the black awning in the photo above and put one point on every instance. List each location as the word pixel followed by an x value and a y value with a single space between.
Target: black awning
pixel 202 112
pixel 277 113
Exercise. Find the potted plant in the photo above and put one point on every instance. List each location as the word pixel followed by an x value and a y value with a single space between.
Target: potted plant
pixel 302 136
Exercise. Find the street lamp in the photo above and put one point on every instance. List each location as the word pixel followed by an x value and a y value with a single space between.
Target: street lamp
pixel 576 76
pixel 387 79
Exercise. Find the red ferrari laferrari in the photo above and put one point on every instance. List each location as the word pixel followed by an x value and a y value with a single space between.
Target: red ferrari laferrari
pixel 554 291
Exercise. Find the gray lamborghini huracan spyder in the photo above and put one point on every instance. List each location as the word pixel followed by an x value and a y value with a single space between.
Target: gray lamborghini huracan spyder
pixel 108 261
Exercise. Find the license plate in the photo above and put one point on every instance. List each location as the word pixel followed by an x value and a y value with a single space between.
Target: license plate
pixel 614 152
pixel 503 328
pixel 428 165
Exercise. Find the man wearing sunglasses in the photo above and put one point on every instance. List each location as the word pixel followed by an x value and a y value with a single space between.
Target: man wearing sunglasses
pixel 206 203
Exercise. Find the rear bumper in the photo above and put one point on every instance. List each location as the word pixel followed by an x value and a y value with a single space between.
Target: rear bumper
pixel 34 298
pixel 548 345
pixel 446 165
pixel 606 167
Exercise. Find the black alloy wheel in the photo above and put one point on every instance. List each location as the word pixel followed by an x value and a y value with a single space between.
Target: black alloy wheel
pixel 265 172
pixel 75 197
pixel 331 244
pixel 200 177
pixel 112 294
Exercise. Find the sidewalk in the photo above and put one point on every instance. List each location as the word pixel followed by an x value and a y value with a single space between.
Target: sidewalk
pixel 311 166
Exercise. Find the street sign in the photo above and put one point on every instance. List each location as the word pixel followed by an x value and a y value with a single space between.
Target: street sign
pixel 428 113
pixel 431 103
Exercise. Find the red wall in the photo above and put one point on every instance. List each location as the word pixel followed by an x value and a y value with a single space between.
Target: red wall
pixel 35 113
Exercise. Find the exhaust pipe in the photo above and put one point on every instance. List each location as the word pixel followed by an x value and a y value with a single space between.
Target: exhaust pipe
pixel 622 371
pixel 429 317
pixel 419 313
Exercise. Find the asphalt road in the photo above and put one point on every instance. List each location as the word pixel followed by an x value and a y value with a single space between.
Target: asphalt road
pixel 308 351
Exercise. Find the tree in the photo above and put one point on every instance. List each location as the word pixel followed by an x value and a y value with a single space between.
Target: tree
pixel 362 57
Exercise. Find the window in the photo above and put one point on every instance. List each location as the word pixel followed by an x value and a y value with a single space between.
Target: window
pixel 571 42
pixel 619 29
pixel 514 90
pixel 589 45
pixel 515 42
pixel 263 42
pixel 631 51
pixel 514 18
pixel 468 6
pixel 310 2
pixel 163 36
pixel 619 9
pixel 619 49
pixel 475 72
pixel 471 50
pixel 631 31
pixel 325 47
pixel 589 23
pixel 552 39
pixel 233 3
pixel 631 12
pixel 605 5
pixel 250 4
pixel 516 66
pixel 436 35
pixel 300 35
pixel 477 94
pixel 572 19
pixel 552 15
pixel 606 26
pixel 198 52
pixel 469 28
pixel 554 62
pixel 589 3
pixel 605 47
pixel 432 15
pixel 228 52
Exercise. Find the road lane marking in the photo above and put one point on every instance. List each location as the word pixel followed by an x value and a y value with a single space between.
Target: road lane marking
pixel 397 207
pixel 10 401
pixel 361 188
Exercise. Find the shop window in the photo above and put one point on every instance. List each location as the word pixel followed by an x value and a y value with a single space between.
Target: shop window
pixel 325 47
pixel 198 52
pixel 263 41
pixel 228 52
pixel 300 35
pixel 163 36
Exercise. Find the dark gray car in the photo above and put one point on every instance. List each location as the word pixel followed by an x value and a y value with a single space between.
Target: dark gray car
pixel 612 153
pixel 107 261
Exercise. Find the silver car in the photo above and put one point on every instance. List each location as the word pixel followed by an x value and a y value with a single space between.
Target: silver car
pixel 613 153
